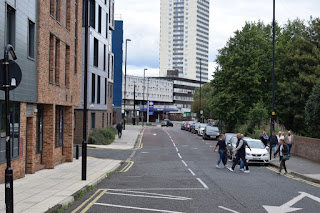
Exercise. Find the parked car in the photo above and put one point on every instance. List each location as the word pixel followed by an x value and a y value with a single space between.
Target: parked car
pixel 166 122
pixel 183 125
pixel 259 152
pixel 210 132
pixel 228 136
pixel 201 129
pixel 191 126
pixel 196 127
pixel 187 125
pixel 231 143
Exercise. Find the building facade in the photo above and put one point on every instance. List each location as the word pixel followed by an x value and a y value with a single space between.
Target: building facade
pixel 117 49
pixel 46 36
pixel 184 38
pixel 100 69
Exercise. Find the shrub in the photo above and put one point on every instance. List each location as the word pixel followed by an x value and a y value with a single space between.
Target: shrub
pixel 102 136
pixel 312 111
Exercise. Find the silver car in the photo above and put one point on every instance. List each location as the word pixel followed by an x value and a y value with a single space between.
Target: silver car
pixel 211 132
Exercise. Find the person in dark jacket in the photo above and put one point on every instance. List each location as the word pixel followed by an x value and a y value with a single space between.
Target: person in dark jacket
pixel 222 151
pixel 274 142
pixel 119 128
pixel 241 154
pixel 283 151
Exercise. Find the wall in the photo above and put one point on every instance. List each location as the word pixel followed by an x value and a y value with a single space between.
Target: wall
pixel 308 148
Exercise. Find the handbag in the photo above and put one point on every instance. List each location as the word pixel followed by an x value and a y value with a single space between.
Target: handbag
pixel 285 157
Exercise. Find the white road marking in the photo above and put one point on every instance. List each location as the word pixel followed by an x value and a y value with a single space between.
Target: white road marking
pixel 192 172
pixel 154 134
pixel 158 189
pixel 174 144
pixel 230 210
pixel 148 193
pixel 193 148
pixel 132 207
pixel 184 145
pixel 149 196
pixel 202 183
pixel 177 149
pixel 144 152
pixel 179 155
pixel 184 163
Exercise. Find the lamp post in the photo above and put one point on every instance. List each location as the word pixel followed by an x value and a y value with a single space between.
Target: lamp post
pixel 144 85
pixel 9 170
pixel 273 73
pixel 134 104
pixel 85 97
pixel 200 94
pixel 125 84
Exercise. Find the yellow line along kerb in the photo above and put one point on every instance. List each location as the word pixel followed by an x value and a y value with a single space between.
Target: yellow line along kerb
pixel 127 167
pixel 140 143
pixel 94 201
pixel 84 203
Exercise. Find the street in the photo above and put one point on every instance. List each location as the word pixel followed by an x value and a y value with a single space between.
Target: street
pixel 174 171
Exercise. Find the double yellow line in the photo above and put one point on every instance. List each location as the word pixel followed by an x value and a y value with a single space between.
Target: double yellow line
pixel 140 146
pixel 95 197
pixel 127 167
pixel 295 178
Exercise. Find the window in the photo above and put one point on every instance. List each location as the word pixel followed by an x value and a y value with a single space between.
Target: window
pixel 110 119
pixel 99 20
pixel 93 120
pixel 68 18
pixel 31 39
pixel 67 67
pixel 59 126
pixel 95 52
pixel 14 130
pixel 103 120
pixel 92 13
pixel 93 88
pixel 40 129
pixel 98 89
pixel 11 25
pixel 107 25
pixel 75 36
pixel 51 7
pixel 105 91
pixel 57 61
pixel 104 57
pixel 57 14
pixel 51 65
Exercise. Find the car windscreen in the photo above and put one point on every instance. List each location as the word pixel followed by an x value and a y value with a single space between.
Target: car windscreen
pixel 212 128
pixel 256 144
pixel 203 125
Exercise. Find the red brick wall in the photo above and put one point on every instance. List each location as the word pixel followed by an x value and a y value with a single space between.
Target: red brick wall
pixel 308 148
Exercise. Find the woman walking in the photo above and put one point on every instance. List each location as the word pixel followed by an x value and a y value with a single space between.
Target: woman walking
pixel 283 153
pixel 222 151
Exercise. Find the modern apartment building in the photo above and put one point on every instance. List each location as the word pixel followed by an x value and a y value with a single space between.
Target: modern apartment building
pixel 100 68
pixel 46 36
pixel 184 38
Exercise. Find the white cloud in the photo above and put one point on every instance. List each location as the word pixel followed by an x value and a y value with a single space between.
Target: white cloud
pixel 142 25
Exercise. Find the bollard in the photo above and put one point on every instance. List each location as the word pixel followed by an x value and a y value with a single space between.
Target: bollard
pixel 77 152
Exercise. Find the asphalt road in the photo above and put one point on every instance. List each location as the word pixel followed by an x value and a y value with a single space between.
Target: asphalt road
pixel 175 172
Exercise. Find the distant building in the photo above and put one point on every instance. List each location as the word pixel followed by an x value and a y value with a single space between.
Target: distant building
pixel 117 49
pixel 184 38
pixel 100 69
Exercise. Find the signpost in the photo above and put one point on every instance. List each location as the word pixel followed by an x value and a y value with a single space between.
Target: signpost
pixel 11 80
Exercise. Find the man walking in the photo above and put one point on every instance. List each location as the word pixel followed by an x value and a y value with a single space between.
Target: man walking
pixel 240 154
pixel 289 142
pixel 119 128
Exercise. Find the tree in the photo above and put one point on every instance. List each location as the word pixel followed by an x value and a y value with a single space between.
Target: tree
pixel 312 111
pixel 206 89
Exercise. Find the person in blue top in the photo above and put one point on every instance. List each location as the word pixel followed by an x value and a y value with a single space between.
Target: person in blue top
pixel 222 151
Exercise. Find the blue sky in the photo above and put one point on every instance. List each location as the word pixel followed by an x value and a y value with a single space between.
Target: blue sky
pixel 142 25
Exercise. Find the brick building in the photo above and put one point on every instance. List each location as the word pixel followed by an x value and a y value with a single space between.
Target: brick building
pixel 100 69
pixel 47 38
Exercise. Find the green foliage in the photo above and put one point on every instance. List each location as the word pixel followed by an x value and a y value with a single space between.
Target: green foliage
pixel 256 116
pixel 313 111
pixel 102 136
pixel 206 89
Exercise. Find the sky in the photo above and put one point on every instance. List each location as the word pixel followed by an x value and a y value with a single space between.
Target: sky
pixel 141 19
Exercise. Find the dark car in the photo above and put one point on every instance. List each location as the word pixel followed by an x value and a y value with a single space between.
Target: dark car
pixel 166 122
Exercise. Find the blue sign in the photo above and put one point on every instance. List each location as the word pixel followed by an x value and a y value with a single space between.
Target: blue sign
pixel 151 109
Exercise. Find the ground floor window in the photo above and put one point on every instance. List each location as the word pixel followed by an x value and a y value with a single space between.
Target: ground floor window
pixel 40 129
pixel 14 130
pixel 59 126
pixel 93 120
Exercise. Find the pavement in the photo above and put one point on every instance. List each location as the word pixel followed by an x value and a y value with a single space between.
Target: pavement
pixel 49 189
pixel 301 167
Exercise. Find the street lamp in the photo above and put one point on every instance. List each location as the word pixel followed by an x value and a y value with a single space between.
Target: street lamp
pixel 273 73
pixel 144 85
pixel 200 94
pixel 125 84
pixel 9 170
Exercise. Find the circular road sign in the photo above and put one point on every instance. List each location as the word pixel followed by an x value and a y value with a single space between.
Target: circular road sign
pixel 15 74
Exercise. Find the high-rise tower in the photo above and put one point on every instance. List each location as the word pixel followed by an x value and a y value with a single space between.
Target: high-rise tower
pixel 184 38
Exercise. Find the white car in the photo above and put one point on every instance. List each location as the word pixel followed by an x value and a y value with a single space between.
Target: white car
pixel 259 152
pixel 201 129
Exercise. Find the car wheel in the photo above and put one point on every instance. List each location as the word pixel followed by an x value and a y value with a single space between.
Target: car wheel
pixel 267 164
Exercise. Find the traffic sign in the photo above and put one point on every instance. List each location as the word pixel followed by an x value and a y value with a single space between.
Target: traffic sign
pixel 15 74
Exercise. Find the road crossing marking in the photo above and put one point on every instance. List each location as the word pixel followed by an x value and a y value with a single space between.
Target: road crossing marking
pixel 192 172
pixel 138 208
pixel 202 183
pixel 127 167
pixel 295 178
pixel 93 201
pixel 230 210
pixel 179 155
pixel 184 163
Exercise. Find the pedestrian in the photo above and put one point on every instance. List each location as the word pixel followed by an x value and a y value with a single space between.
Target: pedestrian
pixel 283 153
pixel 289 142
pixel 245 144
pixel 240 154
pixel 264 138
pixel 222 151
pixel 119 128
pixel 273 142
pixel 279 135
